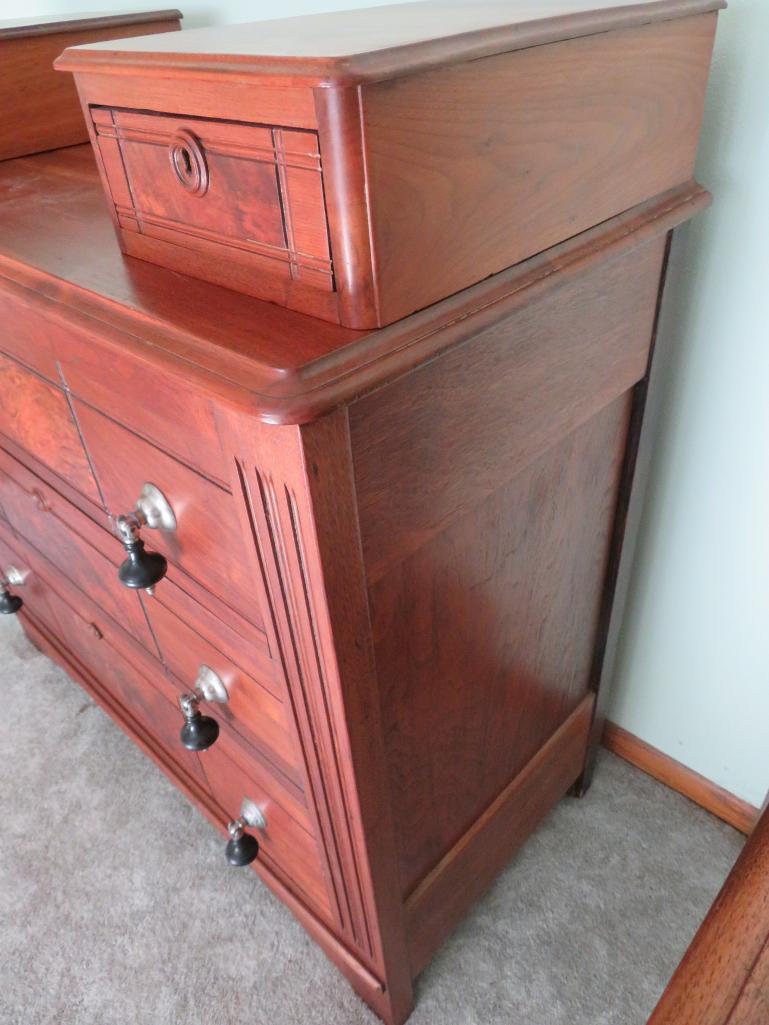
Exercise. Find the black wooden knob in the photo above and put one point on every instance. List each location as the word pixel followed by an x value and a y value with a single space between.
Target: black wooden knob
pixel 9 603
pixel 199 731
pixel 242 848
pixel 141 569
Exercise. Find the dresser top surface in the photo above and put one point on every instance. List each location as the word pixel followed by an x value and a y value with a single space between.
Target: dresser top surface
pixel 58 245
pixel 381 42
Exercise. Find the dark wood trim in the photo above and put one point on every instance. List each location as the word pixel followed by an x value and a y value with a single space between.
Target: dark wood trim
pixel 723 978
pixel 23 28
pixel 667 770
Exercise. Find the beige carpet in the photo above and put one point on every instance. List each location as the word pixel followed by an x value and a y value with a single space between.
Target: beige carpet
pixel 117 907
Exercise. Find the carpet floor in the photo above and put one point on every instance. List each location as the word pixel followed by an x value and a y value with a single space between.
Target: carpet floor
pixel 117 907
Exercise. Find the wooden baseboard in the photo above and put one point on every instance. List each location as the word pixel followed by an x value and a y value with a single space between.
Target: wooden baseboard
pixel 667 770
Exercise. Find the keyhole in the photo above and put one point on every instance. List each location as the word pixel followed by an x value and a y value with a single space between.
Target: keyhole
pixel 187 168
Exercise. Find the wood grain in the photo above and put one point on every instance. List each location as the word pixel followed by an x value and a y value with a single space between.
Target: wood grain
pixel 719 802
pixel 206 542
pixel 41 110
pixel 722 979
pixel 281 366
pixel 474 168
pixel 438 904
pixel 502 609
pixel 471 421
pixel 37 416
pixel 349 47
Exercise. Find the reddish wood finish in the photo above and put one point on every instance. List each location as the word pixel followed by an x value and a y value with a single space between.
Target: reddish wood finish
pixel 205 542
pixel 436 178
pixel 38 417
pixel 719 802
pixel 470 865
pixel 502 609
pixel 724 976
pixel 398 546
pixel 287 849
pixel 70 541
pixel 40 108
pixel 251 708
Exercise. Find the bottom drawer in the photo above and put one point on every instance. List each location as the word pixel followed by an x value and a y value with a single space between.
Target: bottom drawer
pixel 287 847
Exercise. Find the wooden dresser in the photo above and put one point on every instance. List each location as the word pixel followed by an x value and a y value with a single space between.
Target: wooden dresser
pixel 352 579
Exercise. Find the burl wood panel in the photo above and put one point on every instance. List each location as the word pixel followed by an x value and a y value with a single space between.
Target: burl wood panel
pixel 37 416
pixel 469 422
pixel 475 167
pixel 502 608
pixel 723 978
pixel 40 109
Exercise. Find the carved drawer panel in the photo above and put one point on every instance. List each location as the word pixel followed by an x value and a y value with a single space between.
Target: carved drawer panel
pixel 36 416
pixel 207 545
pixel 251 709
pixel 250 195
pixel 287 845
pixel 80 550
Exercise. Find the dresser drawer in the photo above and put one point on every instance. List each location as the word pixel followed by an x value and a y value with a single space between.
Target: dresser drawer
pixel 207 545
pixel 97 644
pixel 36 416
pixel 34 592
pixel 288 846
pixel 75 545
pixel 220 199
pixel 118 665
pixel 251 709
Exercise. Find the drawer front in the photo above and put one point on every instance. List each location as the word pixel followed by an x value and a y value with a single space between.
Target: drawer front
pixel 251 195
pixel 207 544
pixel 288 848
pixel 34 592
pixel 94 642
pixel 161 406
pixel 118 665
pixel 72 543
pixel 36 415
pixel 251 709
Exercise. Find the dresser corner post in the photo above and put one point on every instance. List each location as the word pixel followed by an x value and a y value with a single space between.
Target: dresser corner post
pixel 298 481
pixel 642 427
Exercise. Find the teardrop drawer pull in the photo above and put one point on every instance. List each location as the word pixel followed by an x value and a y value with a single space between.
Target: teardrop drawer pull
pixel 242 848
pixel 141 569
pixel 10 603
pixel 200 731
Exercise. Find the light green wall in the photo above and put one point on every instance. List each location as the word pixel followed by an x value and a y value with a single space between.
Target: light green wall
pixel 693 672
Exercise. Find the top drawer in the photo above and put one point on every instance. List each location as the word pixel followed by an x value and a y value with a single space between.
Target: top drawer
pixel 445 159
pixel 241 205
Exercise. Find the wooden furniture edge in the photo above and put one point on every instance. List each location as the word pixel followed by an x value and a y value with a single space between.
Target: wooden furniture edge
pixel 721 979
pixel 442 898
pixel 392 62
pixel 708 795
pixel 278 395
pixel 88 23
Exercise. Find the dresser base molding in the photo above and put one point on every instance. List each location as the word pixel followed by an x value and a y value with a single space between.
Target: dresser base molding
pixel 443 898
pixel 655 763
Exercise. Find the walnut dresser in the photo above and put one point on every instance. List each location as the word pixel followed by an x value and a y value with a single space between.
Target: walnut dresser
pixel 323 370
